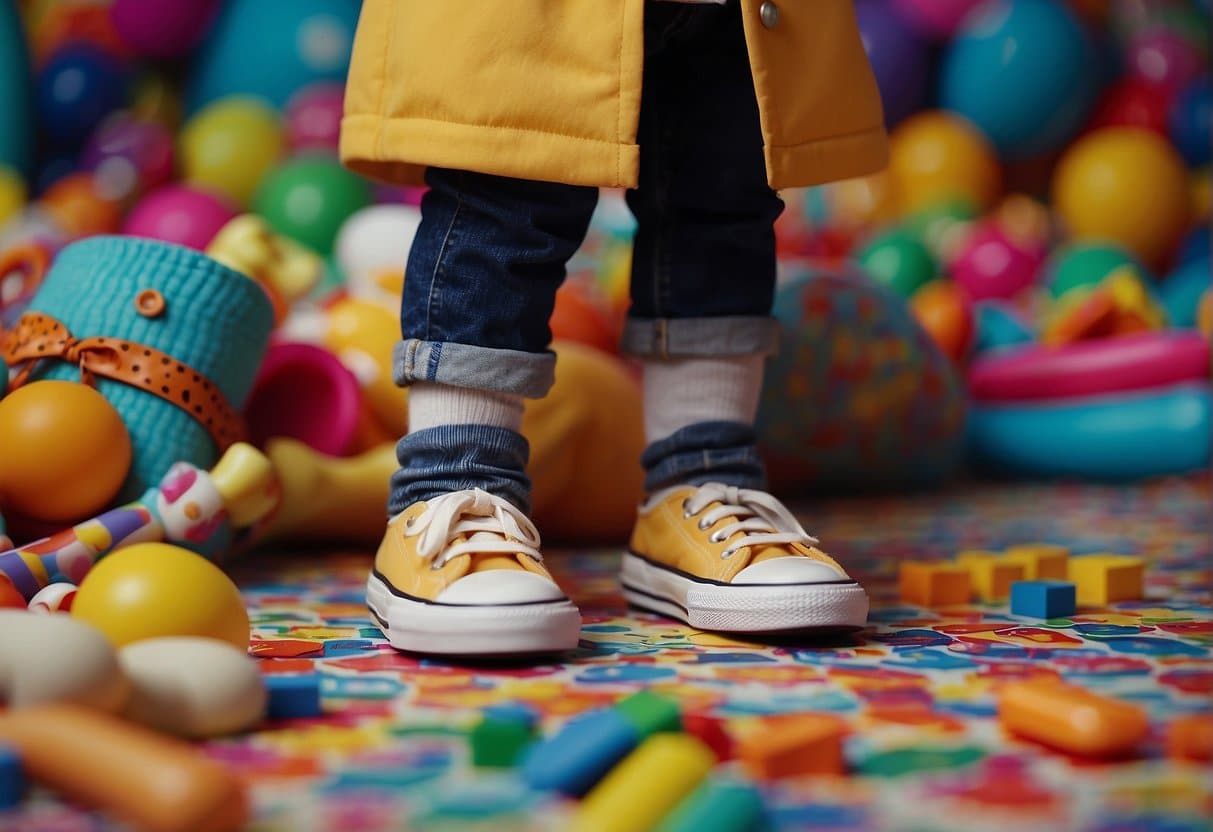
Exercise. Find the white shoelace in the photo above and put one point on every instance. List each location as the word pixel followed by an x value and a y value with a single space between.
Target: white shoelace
pixel 491 525
pixel 766 521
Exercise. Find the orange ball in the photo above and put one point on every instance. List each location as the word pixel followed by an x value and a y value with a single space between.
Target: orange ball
pixel 65 451
pixel 76 203
pixel 581 315
pixel 945 312
pixel 1126 185
pixel 936 156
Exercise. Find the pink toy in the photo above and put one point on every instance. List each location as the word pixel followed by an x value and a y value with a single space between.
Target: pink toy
pixel 991 266
pixel 179 214
pixel 313 117
pixel 1164 58
pixel 306 393
pixel 1085 368
pixel 162 28
pixel 129 155
pixel 937 19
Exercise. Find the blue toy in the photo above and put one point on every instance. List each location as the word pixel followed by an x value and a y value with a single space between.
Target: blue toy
pixel 16 116
pixel 12 779
pixel 304 41
pixel 577 756
pixel 999 327
pixel 1195 246
pixel 1043 599
pixel 1112 437
pixel 1180 293
pixel 78 87
pixel 293 697
pixel 1024 72
pixel 1190 119
pixel 719 805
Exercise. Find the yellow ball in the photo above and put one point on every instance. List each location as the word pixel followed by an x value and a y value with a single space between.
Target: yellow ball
pixel 230 145
pixel 12 193
pixel 1124 185
pixel 935 156
pixel 151 590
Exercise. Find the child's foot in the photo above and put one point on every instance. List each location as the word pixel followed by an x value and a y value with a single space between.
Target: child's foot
pixel 724 558
pixel 462 575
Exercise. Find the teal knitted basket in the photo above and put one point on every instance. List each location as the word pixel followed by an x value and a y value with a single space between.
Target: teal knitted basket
pixel 216 320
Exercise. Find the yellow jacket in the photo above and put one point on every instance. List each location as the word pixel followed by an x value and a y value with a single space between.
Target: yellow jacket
pixel 550 90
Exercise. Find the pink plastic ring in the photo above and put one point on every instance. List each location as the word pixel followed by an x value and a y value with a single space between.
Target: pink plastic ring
pixel 306 393
pixel 1086 368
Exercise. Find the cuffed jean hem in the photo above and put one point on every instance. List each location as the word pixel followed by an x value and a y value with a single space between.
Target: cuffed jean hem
pixel 526 374
pixel 448 458
pixel 725 452
pixel 723 337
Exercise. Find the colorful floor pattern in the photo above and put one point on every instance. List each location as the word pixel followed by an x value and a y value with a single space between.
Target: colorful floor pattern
pixel 926 752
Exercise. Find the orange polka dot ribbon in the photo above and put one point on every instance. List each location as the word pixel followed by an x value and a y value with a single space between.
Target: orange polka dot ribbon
pixel 37 337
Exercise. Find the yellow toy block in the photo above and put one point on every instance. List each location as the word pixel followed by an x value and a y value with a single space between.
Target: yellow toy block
pixel 990 574
pixel 636 794
pixel 934 584
pixel 1041 561
pixel 1104 579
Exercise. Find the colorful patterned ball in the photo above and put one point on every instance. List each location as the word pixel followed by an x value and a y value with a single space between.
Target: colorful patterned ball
pixel 991 265
pixel 179 214
pixel 858 396
pixel 130 155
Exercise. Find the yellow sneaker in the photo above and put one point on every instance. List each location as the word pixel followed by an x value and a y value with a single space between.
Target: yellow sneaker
pixel 462 575
pixel 735 560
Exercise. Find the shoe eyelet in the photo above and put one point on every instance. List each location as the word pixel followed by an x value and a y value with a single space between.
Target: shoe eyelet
pixel 435 566
pixel 716 537
pixel 728 553
pixel 686 512
pixel 703 527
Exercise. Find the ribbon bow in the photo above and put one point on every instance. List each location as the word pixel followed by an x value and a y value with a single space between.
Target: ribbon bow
pixel 38 336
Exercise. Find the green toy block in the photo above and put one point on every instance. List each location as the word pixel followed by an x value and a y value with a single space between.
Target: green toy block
pixel 650 713
pixel 718 805
pixel 499 743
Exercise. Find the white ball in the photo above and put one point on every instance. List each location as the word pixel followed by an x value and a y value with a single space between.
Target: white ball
pixel 57 658
pixel 374 240
pixel 56 597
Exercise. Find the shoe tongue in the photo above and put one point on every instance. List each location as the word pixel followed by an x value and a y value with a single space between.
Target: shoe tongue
pixel 484 561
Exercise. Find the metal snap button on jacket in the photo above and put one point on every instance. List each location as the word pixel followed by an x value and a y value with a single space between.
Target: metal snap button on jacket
pixel 769 13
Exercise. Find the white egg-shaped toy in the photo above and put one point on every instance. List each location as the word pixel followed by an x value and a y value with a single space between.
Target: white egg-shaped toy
pixel 192 687
pixel 56 597
pixel 372 248
pixel 57 658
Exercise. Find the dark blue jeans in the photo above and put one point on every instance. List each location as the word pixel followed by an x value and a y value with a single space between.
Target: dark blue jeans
pixel 491 252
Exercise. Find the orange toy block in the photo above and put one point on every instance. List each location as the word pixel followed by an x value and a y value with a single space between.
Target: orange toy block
pixel 1191 738
pixel 1070 718
pixel 1041 561
pixel 934 584
pixel 793 745
pixel 1102 579
pixel 990 574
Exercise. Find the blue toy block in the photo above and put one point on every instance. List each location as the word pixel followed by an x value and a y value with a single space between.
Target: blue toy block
pixel 512 712
pixel 577 756
pixel 1043 599
pixel 12 778
pixel 293 697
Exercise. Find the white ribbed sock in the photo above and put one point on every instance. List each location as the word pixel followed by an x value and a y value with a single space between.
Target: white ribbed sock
pixel 432 405
pixel 690 390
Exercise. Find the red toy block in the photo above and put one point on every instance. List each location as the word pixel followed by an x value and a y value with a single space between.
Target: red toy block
pixel 711 732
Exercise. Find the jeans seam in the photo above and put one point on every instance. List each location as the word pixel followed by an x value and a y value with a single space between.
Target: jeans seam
pixel 439 270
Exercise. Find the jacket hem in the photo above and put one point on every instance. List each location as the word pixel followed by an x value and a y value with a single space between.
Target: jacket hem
pixel 375 146
pixel 827 159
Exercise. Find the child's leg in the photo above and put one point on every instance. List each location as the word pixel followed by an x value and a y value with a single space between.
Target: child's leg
pixel 479 290
pixel 459 570
pixel 703 269
pixel 710 547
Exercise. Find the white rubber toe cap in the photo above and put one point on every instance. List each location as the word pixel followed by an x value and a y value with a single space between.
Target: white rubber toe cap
pixel 500 586
pixel 789 570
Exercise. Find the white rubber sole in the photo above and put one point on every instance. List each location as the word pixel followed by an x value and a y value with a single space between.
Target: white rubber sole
pixel 743 608
pixel 456 630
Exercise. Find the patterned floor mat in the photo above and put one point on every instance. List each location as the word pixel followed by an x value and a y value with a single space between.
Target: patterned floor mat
pixel 926 752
